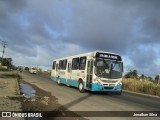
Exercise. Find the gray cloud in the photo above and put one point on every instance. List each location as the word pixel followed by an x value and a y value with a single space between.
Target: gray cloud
pixel 62 28
pixel 144 58
pixel 112 23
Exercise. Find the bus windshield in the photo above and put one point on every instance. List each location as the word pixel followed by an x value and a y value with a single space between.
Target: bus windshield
pixel 108 69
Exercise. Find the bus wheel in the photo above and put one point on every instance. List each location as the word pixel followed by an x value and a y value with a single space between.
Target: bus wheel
pixel 59 81
pixel 119 93
pixel 80 87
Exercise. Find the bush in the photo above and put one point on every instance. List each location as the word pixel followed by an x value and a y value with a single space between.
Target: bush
pixel 144 86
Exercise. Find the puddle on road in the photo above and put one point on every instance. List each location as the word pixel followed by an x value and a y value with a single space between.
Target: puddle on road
pixel 27 90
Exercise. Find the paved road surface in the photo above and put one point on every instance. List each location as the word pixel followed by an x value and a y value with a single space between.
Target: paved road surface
pixel 75 101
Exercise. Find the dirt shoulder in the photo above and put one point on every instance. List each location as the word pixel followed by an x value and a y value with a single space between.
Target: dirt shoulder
pixel 43 102
pixel 9 88
pixel 47 104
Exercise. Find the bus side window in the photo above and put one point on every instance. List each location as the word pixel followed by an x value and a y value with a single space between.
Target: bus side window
pixel 54 65
pixel 75 63
pixel 60 64
pixel 82 63
pixel 64 64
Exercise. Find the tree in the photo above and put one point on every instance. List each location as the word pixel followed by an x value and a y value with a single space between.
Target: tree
pixel 26 68
pixel 6 62
pixel 157 79
pixel 142 77
pixel 132 74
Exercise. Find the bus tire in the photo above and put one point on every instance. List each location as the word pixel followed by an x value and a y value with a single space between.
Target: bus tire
pixel 59 81
pixel 119 93
pixel 80 87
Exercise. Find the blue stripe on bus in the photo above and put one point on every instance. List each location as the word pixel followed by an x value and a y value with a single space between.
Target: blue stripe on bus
pixel 95 87
pixel 72 82
pixel 53 78
pixel 65 81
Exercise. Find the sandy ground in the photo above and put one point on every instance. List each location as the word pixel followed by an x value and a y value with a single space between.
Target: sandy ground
pixel 12 100
pixel 8 89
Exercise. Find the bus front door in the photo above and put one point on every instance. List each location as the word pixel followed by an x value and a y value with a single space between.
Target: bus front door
pixel 89 74
pixel 69 70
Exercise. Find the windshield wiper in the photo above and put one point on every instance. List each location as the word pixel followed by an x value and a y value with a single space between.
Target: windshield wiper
pixel 108 67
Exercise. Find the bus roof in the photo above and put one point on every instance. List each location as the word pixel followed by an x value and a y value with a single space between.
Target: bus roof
pixel 87 54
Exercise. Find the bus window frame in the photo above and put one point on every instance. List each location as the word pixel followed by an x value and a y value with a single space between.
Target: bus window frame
pixel 73 67
pixel 80 63
pixel 64 67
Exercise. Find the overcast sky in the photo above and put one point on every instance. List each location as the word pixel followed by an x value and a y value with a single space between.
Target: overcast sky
pixel 38 31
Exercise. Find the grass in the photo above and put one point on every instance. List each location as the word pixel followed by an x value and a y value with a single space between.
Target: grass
pixel 143 86
pixel 46 73
pixel 9 75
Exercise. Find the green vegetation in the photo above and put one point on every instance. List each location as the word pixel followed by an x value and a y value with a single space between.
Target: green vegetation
pixel 157 79
pixel 142 84
pixel 132 74
pixel 46 73
pixel 6 62
pixel 9 75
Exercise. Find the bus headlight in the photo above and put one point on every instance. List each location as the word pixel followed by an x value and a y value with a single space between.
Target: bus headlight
pixel 120 83
pixel 118 89
pixel 97 82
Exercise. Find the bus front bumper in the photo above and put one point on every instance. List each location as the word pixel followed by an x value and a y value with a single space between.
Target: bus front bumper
pixel 101 88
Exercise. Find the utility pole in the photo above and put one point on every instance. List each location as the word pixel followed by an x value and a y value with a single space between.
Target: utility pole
pixel 4 43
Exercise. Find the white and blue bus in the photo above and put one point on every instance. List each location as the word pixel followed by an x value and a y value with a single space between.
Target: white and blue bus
pixel 94 71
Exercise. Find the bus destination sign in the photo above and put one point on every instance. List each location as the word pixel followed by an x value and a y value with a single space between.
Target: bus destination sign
pixel 108 56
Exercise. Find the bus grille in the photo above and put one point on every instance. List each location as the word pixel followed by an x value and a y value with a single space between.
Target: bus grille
pixel 109 81
pixel 109 84
pixel 108 88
